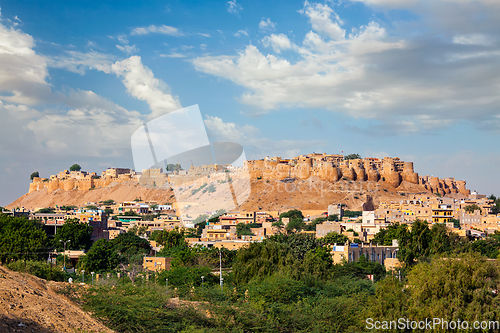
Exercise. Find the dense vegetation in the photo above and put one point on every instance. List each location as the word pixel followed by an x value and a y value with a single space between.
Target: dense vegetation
pixel 286 283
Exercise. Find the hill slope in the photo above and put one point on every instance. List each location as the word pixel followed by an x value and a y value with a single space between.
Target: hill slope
pixel 30 304
pixel 266 195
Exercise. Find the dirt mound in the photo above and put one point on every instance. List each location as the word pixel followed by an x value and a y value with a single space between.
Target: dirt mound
pixel 266 195
pixel 30 304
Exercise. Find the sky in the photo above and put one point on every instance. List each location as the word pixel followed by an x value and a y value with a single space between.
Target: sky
pixel 416 79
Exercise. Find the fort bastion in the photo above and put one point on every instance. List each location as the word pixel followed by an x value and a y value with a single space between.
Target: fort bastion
pixel 328 167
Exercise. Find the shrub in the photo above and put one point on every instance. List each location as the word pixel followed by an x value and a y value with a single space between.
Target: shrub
pixel 39 269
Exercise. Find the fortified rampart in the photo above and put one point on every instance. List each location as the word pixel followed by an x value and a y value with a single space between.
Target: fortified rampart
pixel 331 168
pixel 80 180
pixel 334 168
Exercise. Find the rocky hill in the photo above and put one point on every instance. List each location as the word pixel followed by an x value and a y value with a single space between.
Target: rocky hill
pixel 30 304
pixel 307 182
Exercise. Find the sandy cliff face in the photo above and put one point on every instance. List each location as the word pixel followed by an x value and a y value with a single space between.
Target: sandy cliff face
pixel 30 304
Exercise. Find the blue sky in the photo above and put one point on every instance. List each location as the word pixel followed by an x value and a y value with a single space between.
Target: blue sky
pixel 418 79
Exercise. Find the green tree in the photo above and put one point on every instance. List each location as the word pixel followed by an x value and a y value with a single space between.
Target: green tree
pixel 333 237
pixel 294 213
pixel 66 208
pixel 278 225
pixel 312 226
pixel 101 257
pixel 386 235
pixel 462 287
pixel 108 202
pixel 333 217
pixel 456 222
pixel 78 233
pixel 75 167
pixel 169 238
pixel 21 238
pixel 471 208
pixel 130 246
pixel 34 174
pixel 174 167
pixel 47 210
pixel 243 229
pixel 295 225
pixel 352 213
pixel 352 157
pixel 108 211
pixel 362 268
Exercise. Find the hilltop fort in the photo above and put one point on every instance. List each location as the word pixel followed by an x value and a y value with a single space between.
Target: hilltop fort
pixel 328 167
pixel 333 168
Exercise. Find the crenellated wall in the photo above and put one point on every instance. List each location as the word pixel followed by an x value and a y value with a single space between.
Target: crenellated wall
pixel 392 171
pixel 331 168
pixel 443 186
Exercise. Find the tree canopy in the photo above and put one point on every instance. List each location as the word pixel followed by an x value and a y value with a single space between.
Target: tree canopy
pixel 129 244
pixel 101 257
pixel 352 157
pixel 78 233
pixel 334 238
pixel 34 174
pixel 21 238
pixel 75 167
pixel 472 208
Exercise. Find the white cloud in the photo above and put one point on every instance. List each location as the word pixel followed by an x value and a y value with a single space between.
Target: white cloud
pixel 173 55
pixel 241 33
pixel 267 25
pixel 410 84
pixel 473 39
pixel 78 62
pixel 256 145
pixel 277 42
pixel 204 34
pixel 163 29
pixel 233 7
pixel 128 49
pixel 141 83
pixel 95 126
pixel 203 47
pixel 324 20
pixel 22 71
pixel 122 39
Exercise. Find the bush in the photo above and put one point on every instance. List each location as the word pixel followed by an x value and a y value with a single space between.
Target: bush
pixel 39 269
pixel 186 277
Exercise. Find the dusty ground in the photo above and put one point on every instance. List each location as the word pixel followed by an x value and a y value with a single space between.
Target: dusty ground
pixel 30 304
pixel 266 195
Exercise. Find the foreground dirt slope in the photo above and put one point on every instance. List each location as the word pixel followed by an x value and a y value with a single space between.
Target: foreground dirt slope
pixel 30 304
pixel 267 195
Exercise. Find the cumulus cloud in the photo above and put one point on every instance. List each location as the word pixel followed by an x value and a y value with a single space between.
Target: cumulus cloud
pixel 94 126
pixel 267 25
pixel 277 42
pixel 252 139
pixel 162 29
pixel 233 7
pixel 142 84
pixel 412 83
pixel 324 20
pixel 23 72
